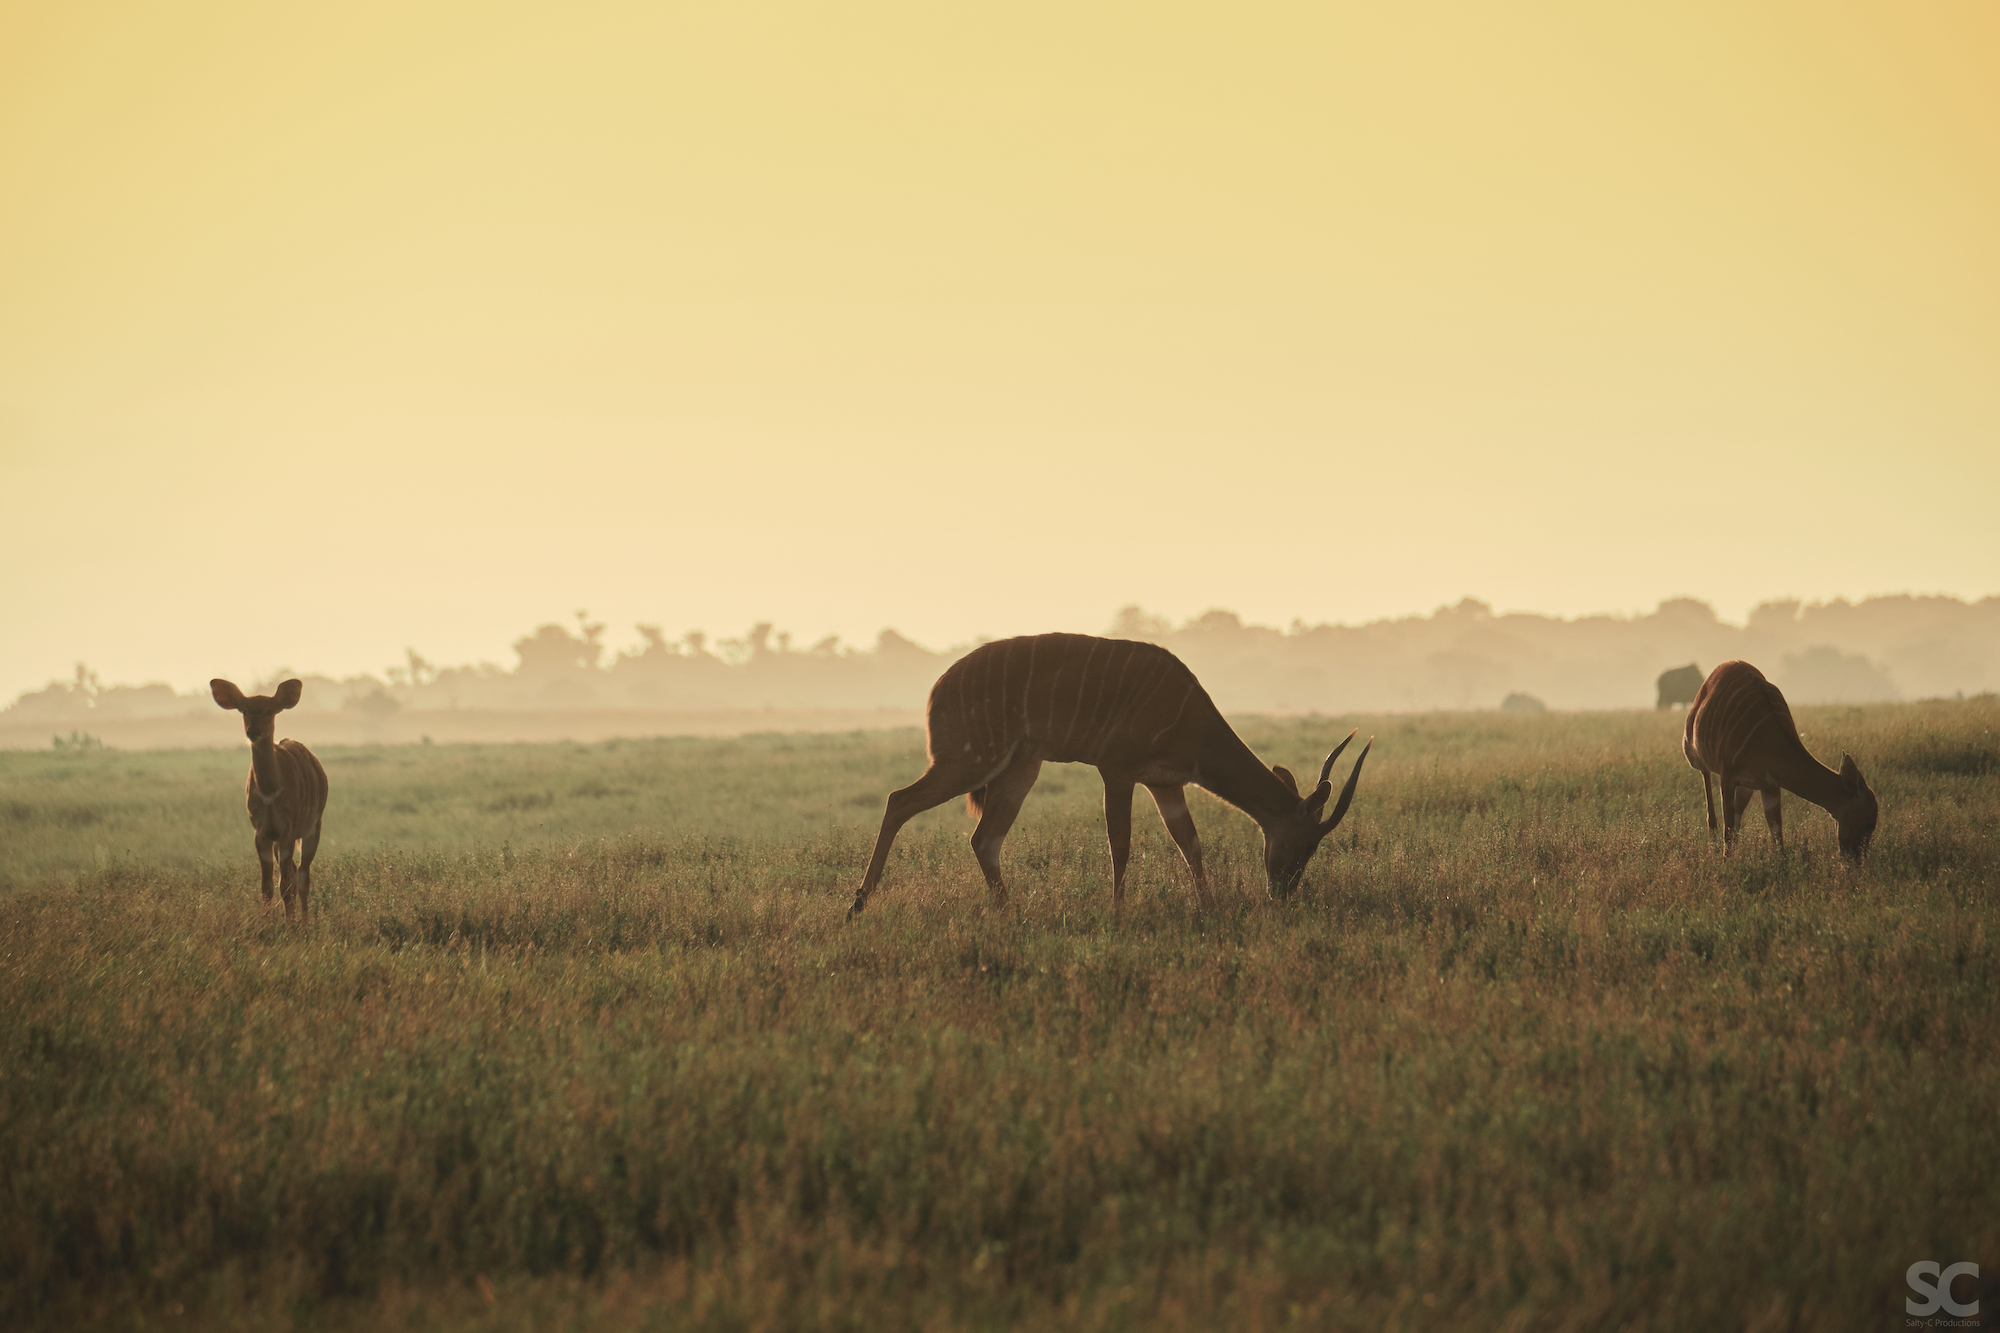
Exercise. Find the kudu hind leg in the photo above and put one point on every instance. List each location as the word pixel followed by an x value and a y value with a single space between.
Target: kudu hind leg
pixel 1739 806
pixel 1735 800
pixel 933 789
pixel 308 848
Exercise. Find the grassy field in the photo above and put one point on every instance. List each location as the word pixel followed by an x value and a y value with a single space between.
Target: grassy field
pixel 580 1040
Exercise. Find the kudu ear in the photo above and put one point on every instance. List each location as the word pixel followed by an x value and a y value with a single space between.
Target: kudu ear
pixel 1285 776
pixel 1850 773
pixel 1346 792
pixel 226 694
pixel 288 694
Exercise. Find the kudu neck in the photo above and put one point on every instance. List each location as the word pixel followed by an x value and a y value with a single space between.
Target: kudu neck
pixel 1232 771
pixel 264 761
pixel 1806 776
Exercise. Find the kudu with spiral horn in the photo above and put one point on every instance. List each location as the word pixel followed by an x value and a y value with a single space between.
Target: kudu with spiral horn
pixel 1129 709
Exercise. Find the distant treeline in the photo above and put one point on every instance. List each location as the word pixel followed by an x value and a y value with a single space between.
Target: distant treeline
pixel 1458 657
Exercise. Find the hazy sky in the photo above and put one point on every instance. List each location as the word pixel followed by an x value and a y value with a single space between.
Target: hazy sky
pixel 326 330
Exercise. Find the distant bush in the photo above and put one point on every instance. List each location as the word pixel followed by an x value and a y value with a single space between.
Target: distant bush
pixel 1461 656
pixel 376 705
pixel 1824 675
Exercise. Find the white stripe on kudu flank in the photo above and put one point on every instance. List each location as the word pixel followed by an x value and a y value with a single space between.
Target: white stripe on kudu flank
pixel 1028 685
pixel 1113 715
pixel 1178 712
pixel 986 697
pixel 1055 694
pixel 1006 674
pixel 1082 684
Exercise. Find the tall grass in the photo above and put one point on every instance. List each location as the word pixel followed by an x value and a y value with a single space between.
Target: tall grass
pixel 1524 1052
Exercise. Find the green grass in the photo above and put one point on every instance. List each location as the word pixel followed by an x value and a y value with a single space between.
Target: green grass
pixel 1524 1052
pixel 65 813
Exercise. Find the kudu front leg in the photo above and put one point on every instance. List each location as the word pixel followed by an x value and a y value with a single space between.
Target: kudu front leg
pixel 267 861
pixel 1118 829
pixel 1175 815
pixel 1738 806
pixel 1774 815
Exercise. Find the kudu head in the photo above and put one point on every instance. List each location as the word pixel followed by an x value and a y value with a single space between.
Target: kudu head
pixel 260 711
pixel 1857 815
pixel 1289 842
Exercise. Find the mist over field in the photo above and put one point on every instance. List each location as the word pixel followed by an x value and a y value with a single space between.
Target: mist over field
pixel 569 682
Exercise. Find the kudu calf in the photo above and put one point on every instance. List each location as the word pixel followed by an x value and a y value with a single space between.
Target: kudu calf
pixel 286 792
pixel 1740 736
pixel 1129 709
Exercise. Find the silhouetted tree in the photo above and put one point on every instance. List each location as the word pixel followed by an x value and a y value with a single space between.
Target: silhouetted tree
pixel 592 634
pixel 376 705
pixel 1828 676
pixel 890 645
pixel 552 650
pixel 1133 622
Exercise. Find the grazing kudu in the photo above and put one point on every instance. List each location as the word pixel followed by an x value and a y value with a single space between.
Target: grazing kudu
pixel 1740 733
pixel 1679 686
pixel 1133 712
pixel 286 793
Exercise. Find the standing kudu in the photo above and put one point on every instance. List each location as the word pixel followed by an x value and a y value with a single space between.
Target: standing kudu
pixel 1129 709
pixel 286 792
pixel 1741 736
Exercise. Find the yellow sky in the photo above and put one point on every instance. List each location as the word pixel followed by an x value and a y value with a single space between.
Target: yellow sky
pixel 327 330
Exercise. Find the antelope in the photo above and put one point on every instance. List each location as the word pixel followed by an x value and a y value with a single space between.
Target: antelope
pixel 1129 709
pixel 286 792
pixel 1679 685
pixel 1740 732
